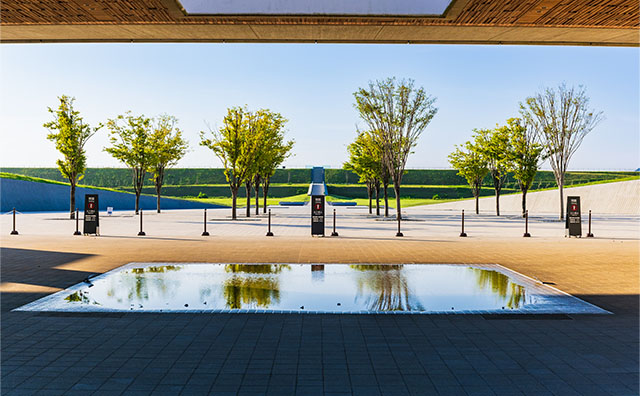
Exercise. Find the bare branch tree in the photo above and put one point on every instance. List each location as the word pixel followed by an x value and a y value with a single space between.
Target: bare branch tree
pixel 561 119
pixel 398 112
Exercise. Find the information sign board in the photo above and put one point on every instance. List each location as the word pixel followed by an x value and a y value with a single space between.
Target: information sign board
pixel 573 223
pixel 317 215
pixel 91 214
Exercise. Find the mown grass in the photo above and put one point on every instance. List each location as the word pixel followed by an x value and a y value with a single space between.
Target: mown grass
pixel 241 202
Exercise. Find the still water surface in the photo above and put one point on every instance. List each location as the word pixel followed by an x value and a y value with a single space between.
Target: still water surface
pixel 295 287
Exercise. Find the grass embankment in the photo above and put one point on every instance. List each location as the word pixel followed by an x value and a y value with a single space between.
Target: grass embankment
pixel 296 192
pixel 12 176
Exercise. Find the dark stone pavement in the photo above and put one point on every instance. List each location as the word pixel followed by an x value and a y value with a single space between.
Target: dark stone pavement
pixel 307 354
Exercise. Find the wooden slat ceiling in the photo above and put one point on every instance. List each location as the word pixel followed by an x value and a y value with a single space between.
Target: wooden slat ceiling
pixel 25 20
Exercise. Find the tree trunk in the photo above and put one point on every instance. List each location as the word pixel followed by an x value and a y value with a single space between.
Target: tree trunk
pixel 248 188
pixel 377 199
pixel 497 187
pixel 477 203
pixel 257 188
pixel 561 188
pixel 524 202
pixel 386 200
pixel 234 199
pixel 137 200
pixel 265 189
pixel 138 183
pixel 158 188
pixel 72 200
pixel 369 193
pixel 159 179
pixel 396 189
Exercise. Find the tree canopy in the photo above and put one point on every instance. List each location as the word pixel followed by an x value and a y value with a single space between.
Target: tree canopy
pixel 131 144
pixel 471 165
pixel 398 112
pixel 167 148
pixel 561 119
pixel 70 133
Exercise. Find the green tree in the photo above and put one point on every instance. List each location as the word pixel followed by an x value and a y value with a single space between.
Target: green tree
pixel 167 148
pixel 398 112
pixel 235 143
pixel 362 162
pixel 257 128
pixel 272 152
pixel 131 145
pixel 70 134
pixel 525 156
pixel 561 119
pixel 471 165
pixel 494 146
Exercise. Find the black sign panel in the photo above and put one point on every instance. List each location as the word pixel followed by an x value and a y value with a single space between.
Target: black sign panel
pixel 317 215
pixel 574 222
pixel 91 214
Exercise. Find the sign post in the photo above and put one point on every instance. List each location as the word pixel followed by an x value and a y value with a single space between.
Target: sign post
pixel 573 223
pixel 317 192
pixel 317 215
pixel 91 221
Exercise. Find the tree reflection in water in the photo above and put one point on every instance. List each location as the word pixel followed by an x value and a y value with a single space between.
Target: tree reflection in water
pixel 252 285
pixel 500 284
pixel 140 288
pixel 385 288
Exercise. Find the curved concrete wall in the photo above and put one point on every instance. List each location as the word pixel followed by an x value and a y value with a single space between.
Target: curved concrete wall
pixel 608 198
pixel 28 196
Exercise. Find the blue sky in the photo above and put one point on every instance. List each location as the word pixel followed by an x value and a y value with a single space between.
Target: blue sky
pixel 312 85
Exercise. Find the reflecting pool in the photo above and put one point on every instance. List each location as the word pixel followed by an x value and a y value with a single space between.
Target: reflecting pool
pixel 337 288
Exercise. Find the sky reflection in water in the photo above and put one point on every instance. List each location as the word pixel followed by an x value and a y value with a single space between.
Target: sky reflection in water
pixel 334 287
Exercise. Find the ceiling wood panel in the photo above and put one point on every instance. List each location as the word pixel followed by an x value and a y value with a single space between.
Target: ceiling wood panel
pixel 584 15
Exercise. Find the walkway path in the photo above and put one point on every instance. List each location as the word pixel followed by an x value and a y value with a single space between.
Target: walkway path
pixel 321 354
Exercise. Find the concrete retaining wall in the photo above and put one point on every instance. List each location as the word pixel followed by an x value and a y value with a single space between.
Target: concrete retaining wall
pixel 607 198
pixel 28 196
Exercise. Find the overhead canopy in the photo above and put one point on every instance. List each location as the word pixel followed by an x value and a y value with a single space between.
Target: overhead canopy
pixel 554 22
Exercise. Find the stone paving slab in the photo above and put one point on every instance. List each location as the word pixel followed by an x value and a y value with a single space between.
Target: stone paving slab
pixel 351 222
pixel 62 353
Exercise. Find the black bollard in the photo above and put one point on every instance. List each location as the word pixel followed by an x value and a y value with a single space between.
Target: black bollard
pixel 399 234
pixel 526 224
pixel 14 232
pixel 463 234
pixel 77 224
pixel 141 233
pixel 205 233
pixel 334 233
pixel 269 233
pixel 589 234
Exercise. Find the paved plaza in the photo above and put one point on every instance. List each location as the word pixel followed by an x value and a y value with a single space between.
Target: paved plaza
pixel 308 354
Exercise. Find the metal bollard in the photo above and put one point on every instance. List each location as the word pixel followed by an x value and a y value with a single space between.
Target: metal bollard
pixel 589 234
pixel 463 234
pixel 14 232
pixel 205 233
pixel 526 224
pixel 269 233
pixel 141 233
pixel 77 224
pixel 334 233
pixel 399 234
